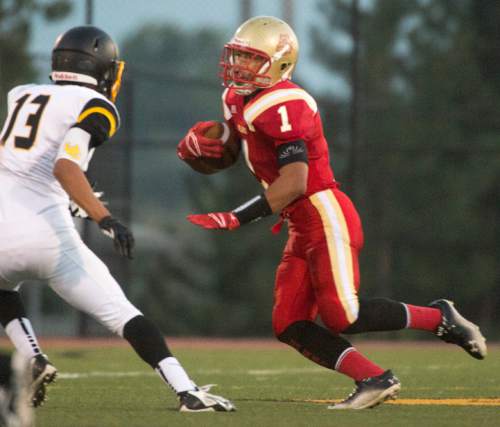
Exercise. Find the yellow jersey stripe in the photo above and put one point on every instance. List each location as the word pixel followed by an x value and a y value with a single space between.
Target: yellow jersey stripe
pixel 100 110
pixel 339 250
pixel 252 111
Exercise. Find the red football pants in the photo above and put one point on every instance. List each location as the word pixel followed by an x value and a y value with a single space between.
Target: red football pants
pixel 319 270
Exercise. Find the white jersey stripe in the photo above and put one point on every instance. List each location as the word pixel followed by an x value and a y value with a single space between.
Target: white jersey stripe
pixel 277 97
pixel 338 242
pixel 225 108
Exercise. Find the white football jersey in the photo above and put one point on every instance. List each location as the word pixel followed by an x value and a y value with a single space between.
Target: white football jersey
pixel 39 241
pixel 38 119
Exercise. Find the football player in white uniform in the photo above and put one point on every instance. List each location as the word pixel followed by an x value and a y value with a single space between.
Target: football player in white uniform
pixel 47 140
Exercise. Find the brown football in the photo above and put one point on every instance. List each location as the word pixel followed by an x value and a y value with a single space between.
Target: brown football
pixel 209 165
pixel 215 131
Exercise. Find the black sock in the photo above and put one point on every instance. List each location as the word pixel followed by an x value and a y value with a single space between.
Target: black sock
pixel 378 314
pixel 5 370
pixel 315 342
pixel 11 307
pixel 147 340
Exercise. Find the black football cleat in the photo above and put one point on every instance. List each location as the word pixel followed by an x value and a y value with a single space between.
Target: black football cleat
pixel 43 373
pixel 199 400
pixel 455 329
pixel 371 392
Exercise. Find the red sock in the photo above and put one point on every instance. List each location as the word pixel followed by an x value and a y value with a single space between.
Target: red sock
pixel 355 365
pixel 425 318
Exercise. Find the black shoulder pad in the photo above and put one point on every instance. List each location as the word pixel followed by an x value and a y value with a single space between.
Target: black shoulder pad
pixel 100 119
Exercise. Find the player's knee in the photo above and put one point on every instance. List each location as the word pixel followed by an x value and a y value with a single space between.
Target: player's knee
pixel 283 319
pixel 338 324
pixel 116 319
pixel 280 325
pixel 338 320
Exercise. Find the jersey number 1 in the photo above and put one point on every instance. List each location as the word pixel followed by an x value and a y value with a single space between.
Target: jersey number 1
pixel 33 121
pixel 285 124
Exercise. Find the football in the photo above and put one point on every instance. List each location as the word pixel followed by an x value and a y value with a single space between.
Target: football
pixel 216 131
pixel 209 165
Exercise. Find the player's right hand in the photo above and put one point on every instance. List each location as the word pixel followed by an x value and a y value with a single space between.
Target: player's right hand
pixel 122 237
pixel 195 144
pixel 215 220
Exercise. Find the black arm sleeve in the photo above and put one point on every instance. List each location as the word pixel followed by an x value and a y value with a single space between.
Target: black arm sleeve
pixel 100 119
pixel 295 151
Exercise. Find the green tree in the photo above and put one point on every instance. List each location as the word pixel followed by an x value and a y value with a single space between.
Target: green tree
pixel 15 32
pixel 429 146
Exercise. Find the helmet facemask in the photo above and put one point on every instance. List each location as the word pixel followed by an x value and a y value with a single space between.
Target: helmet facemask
pixel 244 69
pixel 114 82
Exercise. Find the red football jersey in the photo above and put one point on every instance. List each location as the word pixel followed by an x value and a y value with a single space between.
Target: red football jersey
pixel 278 115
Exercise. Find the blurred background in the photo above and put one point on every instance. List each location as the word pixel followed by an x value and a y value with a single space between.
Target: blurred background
pixel 409 92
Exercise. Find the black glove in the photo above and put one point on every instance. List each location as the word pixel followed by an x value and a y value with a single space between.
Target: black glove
pixel 121 235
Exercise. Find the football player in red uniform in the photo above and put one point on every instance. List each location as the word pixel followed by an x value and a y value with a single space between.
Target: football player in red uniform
pixel 279 130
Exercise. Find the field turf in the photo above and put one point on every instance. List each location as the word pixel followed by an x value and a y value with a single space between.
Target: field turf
pixel 106 386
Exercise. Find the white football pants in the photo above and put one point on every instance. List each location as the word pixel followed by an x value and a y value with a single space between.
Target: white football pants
pixel 34 250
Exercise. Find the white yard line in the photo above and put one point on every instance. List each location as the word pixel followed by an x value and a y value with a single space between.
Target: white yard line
pixel 251 372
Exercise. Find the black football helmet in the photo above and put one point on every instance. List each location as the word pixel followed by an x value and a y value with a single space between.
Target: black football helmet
pixel 87 55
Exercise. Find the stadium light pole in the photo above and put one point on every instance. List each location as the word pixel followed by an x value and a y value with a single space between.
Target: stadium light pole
pixel 245 10
pixel 89 12
pixel 354 108
pixel 83 319
pixel 129 148
pixel 288 11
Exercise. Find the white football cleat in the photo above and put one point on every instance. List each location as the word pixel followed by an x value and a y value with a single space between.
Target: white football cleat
pixel 199 400
pixel 371 392
pixel 456 329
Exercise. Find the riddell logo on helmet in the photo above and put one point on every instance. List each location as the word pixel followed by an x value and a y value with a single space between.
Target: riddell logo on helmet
pixel 64 76
pixel 73 77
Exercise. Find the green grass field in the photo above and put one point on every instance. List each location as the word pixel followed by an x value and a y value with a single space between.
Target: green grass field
pixel 101 387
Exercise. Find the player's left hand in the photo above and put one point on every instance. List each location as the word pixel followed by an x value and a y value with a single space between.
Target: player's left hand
pixel 195 144
pixel 215 220
pixel 123 238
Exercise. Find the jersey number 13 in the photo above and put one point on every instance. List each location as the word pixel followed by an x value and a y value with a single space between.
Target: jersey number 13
pixel 32 121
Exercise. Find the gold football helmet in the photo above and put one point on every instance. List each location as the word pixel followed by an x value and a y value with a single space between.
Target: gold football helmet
pixel 262 52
